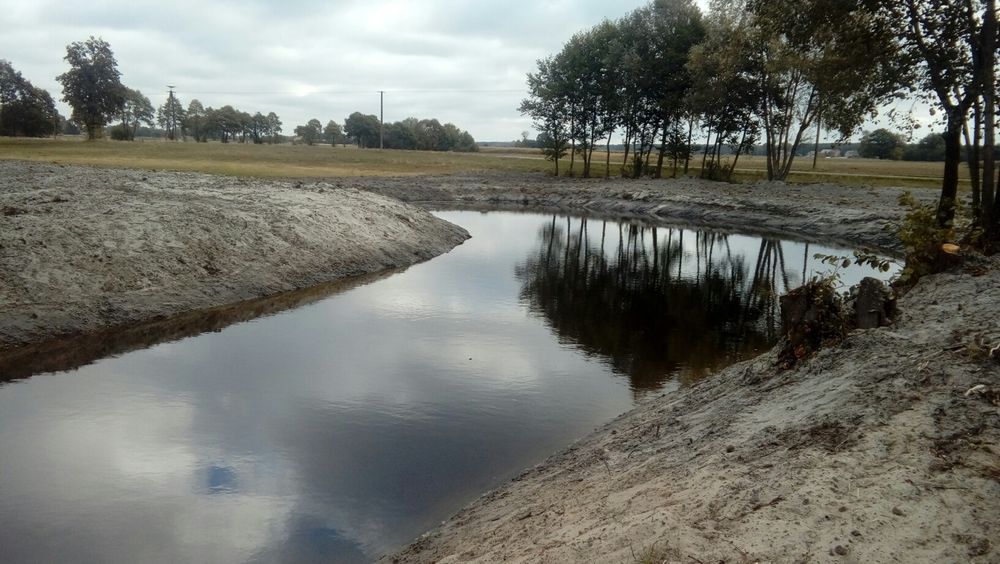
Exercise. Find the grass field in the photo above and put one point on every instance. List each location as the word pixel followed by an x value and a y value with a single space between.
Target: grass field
pixel 237 159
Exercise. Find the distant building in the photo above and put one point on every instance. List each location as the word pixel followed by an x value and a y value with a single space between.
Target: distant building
pixel 852 154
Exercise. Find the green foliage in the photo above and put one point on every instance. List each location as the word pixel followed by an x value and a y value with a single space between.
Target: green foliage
pixel 881 144
pixel 24 109
pixel 860 258
pixel 922 238
pixel 311 132
pixel 825 59
pixel 194 121
pixel 92 85
pixel 428 135
pixel 332 133
pixel 170 116
pixel 136 110
pixel 930 148
pixel 364 129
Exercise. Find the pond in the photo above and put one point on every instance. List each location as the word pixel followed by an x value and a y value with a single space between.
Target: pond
pixel 348 425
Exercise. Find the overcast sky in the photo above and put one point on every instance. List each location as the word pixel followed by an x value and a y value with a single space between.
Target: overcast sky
pixel 462 61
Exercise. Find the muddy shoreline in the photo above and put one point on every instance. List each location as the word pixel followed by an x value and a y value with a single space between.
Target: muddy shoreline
pixel 852 216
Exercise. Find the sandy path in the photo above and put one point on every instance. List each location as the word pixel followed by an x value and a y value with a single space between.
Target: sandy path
pixel 83 248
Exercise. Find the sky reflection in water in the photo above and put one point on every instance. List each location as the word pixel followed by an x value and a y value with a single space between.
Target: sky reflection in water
pixel 346 427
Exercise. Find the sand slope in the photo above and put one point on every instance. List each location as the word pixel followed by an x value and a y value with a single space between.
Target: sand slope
pixel 86 248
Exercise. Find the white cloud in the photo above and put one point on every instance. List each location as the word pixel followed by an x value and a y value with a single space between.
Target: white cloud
pixel 454 60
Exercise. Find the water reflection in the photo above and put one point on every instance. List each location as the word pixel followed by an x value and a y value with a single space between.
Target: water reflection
pixel 346 427
pixel 655 305
pixel 67 353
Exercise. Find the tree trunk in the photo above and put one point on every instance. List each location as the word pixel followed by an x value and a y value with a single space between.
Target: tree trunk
pixel 572 155
pixel 628 145
pixel 952 158
pixel 687 153
pixel 607 163
pixel 739 151
pixel 663 150
pixel 819 123
pixel 972 157
pixel 989 216
pixel 704 156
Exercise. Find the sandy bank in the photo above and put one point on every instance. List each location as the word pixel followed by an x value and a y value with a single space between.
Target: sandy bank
pixel 83 249
pixel 823 213
pixel 872 451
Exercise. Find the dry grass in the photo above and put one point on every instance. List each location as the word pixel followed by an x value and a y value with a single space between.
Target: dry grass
pixel 237 159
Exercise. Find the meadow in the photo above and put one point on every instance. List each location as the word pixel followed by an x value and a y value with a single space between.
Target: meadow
pixel 301 161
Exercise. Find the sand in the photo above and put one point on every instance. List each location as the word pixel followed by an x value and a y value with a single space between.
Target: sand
pixel 884 448
pixel 84 249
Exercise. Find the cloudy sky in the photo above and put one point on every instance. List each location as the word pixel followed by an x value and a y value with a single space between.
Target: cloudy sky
pixel 462 61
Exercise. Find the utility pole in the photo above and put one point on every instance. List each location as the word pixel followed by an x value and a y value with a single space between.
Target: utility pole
pixel 381 118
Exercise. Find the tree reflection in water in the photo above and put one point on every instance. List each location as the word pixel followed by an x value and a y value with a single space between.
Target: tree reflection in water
pixel 654 305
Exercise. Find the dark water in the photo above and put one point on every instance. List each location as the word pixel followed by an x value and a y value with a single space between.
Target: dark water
pixel 349 425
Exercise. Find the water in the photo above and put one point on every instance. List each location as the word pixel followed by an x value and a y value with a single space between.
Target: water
pixel 349 425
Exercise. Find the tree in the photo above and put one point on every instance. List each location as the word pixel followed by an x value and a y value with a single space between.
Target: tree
pixel 92 85
pixel 547 107
pixel 724 94
pixel 951 45
pixel 25 109
pixel 170 116
pixel 553 148
pixel 826 58
pixel 881 144
pixel 136 110
pixel 194 121
pixel 930 148
pixel 364 129
pixel 311 132
pixel 332 133
pixel 273 128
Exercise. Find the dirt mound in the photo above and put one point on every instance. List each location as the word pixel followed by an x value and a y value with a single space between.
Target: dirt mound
pixel 86 248
pixel 854 216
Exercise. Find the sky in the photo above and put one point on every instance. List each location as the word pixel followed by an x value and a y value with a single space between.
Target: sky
pixel 460 61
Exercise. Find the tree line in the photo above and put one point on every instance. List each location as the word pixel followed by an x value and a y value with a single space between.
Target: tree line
pixel 775 73
pixel 92 87
pixel 25 109
pixel 367 133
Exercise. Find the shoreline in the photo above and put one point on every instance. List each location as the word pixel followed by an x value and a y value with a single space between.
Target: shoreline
pixel 85 249
pixel 873 450
pixel 870 451
pixel 852 216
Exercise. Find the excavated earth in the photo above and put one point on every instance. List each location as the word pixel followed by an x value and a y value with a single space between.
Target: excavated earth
pixel 883 448
pixel 83 249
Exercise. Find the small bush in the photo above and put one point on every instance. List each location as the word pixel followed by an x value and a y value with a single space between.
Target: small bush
pixel 923 241
pixel 118 133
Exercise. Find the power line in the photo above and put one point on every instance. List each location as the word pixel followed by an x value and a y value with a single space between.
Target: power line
pixel 372 91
